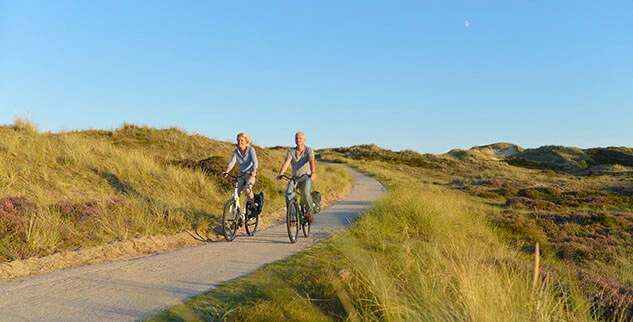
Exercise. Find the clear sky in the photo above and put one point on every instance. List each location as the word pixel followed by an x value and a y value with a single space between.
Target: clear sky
pixel 427 76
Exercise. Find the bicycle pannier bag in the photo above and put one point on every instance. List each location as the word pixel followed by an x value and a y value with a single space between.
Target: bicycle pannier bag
pixel 259 202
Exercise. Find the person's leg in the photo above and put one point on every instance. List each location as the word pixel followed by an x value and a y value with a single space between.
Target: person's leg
pixel 289 191
pixel 306 196
pixel 306 188
pixel 241 183
pixel 248 188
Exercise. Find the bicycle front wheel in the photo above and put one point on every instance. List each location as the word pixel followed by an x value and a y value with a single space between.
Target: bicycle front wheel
pixel 292 221
pixel 252 221
pixel 230 220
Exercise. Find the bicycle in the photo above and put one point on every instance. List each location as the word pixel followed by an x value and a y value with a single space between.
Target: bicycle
pixel 296 214
pixel 233 217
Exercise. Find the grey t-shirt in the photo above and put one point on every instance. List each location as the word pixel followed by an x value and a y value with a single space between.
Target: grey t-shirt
pixel 300 162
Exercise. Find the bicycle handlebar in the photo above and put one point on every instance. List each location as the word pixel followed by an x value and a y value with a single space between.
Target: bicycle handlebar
pixel 235 177
pixel 285 176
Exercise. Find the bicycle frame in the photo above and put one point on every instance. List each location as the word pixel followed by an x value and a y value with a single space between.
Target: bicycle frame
pixel 234 215
pixel 294 195
pixel 236 196
pixel 300 220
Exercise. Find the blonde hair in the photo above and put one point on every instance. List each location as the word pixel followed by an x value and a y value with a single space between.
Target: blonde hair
pixel 245 136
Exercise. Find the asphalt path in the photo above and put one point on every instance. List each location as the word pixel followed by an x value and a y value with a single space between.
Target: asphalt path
pixel 139 288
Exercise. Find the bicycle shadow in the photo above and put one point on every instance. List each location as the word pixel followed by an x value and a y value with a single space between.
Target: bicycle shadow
pixel 199 235
pixel 205 229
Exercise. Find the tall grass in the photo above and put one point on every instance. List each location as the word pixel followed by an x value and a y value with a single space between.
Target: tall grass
pixel 60 191
pixel 422 253
pixel 25 124
pixel 419 257
pixel 432 250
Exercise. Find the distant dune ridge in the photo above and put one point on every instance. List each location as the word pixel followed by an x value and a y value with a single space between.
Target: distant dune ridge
pixel 553 157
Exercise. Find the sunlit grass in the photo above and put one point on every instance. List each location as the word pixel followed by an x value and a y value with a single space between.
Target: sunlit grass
pixel 444 263
pixel 441 246
pixel 91 187
pixel 422 253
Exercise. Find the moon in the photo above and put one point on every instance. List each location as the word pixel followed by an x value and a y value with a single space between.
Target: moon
pixel 466 23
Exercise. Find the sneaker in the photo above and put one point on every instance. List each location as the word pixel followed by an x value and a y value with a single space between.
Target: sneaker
pixel 310 218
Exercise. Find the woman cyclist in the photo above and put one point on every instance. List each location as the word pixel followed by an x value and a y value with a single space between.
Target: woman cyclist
pixel 246 157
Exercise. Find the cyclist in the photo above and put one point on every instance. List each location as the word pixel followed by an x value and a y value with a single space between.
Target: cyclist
pixel 245 155
pixel 302 159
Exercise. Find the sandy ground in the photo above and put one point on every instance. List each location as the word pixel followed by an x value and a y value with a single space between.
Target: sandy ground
pixel 122 282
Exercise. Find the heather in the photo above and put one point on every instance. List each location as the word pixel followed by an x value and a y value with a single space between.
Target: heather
pixel 424 252
pixel 493 233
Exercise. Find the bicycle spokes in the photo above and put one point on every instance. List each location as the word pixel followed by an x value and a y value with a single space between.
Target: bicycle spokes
pixel 292 221
pixel 230 220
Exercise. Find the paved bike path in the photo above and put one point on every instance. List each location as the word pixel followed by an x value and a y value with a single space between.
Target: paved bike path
pixel 143 287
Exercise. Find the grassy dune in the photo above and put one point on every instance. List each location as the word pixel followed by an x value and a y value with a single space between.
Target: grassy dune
pixel 455 239
pixel 64 191
pixel 494 233
pixel 423 253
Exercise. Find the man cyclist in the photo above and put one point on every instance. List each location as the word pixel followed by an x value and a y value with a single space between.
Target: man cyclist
pixel 302 159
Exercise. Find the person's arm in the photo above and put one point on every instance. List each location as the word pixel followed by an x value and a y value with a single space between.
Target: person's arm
pixel 231 164
pixel 284 167
pixel 312 167
pixel 255 162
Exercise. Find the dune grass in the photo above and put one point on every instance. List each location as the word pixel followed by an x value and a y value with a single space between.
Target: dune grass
pixel 422 253
pixel 455 239
pixel 62 191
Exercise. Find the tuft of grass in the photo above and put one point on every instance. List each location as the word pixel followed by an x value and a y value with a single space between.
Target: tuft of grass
pixel 25 125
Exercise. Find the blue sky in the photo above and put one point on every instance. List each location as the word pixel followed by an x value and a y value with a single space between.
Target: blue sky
pixel 427 76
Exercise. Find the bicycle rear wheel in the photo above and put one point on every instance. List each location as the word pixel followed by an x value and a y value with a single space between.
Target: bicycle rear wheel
pixel 305 226
pixel 230 220
pixel 251 222
pixel 292 221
